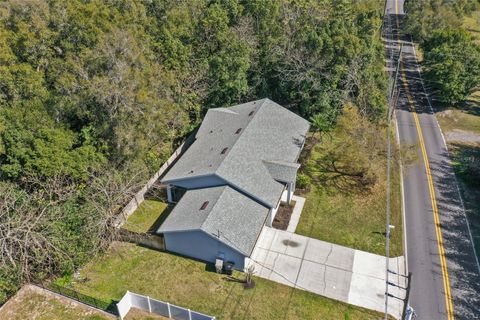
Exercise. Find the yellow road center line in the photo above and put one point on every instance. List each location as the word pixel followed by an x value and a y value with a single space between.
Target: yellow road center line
pixel 436 218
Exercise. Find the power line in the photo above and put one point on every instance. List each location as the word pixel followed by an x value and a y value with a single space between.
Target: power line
pixel 392 98
pixel 387 208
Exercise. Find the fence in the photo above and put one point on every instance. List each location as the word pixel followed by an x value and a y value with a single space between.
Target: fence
pixel 139 196
pixel 152 241
pixel 133 300
pixel 80 297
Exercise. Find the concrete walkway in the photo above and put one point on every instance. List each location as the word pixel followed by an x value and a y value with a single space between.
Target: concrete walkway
pixel 297 211
pixel 327 269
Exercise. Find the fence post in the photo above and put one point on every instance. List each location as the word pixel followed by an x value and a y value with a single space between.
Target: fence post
pixel 169 312
pixel 189 314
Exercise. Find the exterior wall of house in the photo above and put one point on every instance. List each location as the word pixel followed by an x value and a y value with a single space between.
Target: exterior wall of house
pixel 199 245
pixel 199 182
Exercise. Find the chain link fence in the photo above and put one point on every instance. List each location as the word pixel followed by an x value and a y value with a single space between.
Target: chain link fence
pixel 108 307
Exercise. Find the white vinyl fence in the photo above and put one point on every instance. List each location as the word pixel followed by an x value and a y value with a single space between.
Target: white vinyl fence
pixel 134 300
pixel 139 196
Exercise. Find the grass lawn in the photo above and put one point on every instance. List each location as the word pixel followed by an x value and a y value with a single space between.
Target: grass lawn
pixel 39 305
pixel 457 119
pixel 186 282
pixel 147 214
pixel 355 220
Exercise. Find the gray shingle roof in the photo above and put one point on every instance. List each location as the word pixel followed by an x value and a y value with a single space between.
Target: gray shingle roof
pixel 282 171
pixel 253 132
pixel 230 216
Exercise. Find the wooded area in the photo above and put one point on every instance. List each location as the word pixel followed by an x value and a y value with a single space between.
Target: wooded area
pixel 94 95
pixel 452 58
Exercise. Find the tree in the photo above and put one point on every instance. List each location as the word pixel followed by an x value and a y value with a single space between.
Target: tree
pixel 87 86
pixel 350 160
pixel 321 123
pixel 33 147
pixel 453 73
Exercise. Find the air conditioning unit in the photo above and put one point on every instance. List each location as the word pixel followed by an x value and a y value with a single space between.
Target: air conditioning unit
pixel 219 265
pixel 229 267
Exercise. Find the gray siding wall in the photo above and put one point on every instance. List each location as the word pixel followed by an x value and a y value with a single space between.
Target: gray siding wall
pixel 199 182
pixel 199 245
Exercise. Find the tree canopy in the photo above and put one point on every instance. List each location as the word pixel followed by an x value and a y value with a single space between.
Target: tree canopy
pixel 92 91
pixel 452 58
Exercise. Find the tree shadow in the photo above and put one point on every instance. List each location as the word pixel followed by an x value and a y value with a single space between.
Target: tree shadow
pixel 462 266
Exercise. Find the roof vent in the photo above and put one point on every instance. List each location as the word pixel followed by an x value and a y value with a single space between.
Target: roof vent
pixel 251 113
pixel 204 205
pixel 238 130
pixel 224 150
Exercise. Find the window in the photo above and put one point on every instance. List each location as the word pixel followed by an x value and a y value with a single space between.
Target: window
pixel 204 205
pixel 224 150
pixel 238 130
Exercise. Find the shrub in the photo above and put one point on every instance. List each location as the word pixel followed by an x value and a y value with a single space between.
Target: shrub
pixel 303 181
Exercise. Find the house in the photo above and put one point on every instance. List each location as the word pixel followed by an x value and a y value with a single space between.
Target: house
pixel 228 184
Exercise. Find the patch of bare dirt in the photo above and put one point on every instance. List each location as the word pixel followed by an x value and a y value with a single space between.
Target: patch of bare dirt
pixel 462 136
pixel 282 218
pixel 137 314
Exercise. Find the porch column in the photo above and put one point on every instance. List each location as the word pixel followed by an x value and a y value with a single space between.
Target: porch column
pixel 169 193
pixel 289 192
pixel 271 216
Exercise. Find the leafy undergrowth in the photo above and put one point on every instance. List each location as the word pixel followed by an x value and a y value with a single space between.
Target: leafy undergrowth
pixel 191 284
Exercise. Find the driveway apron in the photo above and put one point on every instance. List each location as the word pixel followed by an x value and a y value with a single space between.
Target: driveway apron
pixel 330 270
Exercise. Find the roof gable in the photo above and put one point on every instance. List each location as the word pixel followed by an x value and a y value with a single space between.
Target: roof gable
pixel 233 143
pixel 229 216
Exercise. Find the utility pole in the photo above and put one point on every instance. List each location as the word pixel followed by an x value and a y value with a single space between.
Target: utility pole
pixel 391 107
pixel 407 296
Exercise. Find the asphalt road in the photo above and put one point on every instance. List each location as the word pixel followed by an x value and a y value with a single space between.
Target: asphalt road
pixel 439 251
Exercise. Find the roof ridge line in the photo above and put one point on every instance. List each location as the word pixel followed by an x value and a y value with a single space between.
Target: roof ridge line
pixel 283 163
pixel 223 109
pixel 214 204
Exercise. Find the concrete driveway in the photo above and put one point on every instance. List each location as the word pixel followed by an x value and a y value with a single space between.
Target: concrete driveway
pixel 327 269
